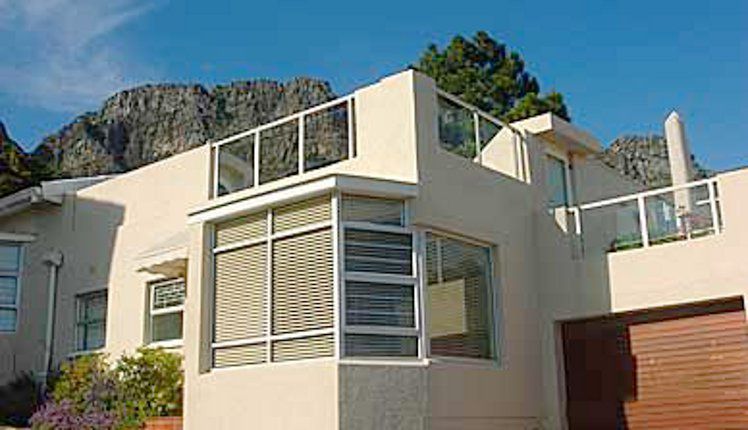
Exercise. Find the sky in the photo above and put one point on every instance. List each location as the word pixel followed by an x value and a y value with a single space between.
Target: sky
pixel 621 65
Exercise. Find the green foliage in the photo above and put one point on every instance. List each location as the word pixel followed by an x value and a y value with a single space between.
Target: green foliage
pixel 127 392
pixel 482 72
pixel 18 400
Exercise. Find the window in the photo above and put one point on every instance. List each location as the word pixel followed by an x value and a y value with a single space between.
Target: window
pixel 273 285
pixel 91 320
pixel 459 298
pixel 380 293
pixel 166 310
pixel 10 273
pixel 558 194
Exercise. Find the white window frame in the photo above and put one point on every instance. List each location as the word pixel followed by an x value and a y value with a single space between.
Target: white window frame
pixel 392 279
pixel 170 343
pixel 495 302
pixel 17 274
pixel 79 297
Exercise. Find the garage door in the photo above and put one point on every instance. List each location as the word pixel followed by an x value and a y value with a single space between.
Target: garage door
pixel 675 368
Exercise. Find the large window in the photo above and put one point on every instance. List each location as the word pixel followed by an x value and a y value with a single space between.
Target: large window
pixel 380 281
pixel 166 310
pixel 10 273
pixel 90 331
pixel 558 187
pixel 460 298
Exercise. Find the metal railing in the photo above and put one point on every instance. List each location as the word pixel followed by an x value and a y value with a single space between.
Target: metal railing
pixel 465 130
pixel 292 145
pixel 650 218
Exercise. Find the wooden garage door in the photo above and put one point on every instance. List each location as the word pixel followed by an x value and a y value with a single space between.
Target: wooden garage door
pixel 675 368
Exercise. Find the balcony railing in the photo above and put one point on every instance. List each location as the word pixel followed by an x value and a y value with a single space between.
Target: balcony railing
pixel 650 218
pixel 466 131
pixel 292 145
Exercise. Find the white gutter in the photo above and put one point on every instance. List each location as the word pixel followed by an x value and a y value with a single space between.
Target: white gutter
pixel 54 260
pixel 47 191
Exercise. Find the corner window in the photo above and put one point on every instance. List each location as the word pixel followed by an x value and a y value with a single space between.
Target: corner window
pixel 10 273
pixel 90 320
pixel 166 310
pixel 557 185
pixel 460 298
pixel 380 293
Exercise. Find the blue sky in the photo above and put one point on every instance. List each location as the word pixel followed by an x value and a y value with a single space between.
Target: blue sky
pixel 621 65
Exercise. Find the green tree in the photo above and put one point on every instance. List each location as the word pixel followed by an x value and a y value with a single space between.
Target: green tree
pixel 482 72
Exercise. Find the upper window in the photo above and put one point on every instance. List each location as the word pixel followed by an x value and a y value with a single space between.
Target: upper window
pixel 558 194
pixel 91 320
pixel 166 310
pixel 10 272
pixel 460 298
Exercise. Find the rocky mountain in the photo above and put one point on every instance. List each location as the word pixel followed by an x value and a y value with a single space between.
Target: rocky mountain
pixel 644 159
pixel 148 123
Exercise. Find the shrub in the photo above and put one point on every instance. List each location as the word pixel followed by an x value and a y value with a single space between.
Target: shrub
pixel 19 398
pixel 92 394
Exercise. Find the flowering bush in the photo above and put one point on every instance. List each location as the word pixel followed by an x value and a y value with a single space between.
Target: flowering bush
pixel 92 394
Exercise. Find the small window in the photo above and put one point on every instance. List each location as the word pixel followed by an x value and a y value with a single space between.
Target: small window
pixel 90 331
pixel 10 271
pixel 558 194
pixel 459 298
pixel 166 310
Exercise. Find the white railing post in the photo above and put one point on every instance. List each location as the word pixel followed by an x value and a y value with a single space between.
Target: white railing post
pixel 256 161
pixel 216 166
pixel 476 128
pixel 301 144
pixel 713 206
pixel 351 138
pixel 644 229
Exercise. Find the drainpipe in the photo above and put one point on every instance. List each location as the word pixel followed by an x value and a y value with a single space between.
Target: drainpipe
pixel 681 169
pixel 53 260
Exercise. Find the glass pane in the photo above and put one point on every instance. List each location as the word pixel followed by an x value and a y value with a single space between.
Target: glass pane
pixel 94 307
pixel 7 320
pixel 456 129
pixel 372 345
pixel 236 165
pixel 379 252
pixel 611 228
pixel 94 336
pixel 460 301
pixel 8 290
pixel 556 182
pixel 9 258
pixel 279 151
pixel 166 327
pixel 373 210
pixel 168 295
pixel 379 304
pixel 326 136
pixel 488 130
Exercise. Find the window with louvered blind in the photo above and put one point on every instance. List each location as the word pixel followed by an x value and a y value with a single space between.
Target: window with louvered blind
pixel 460 298
pixel 273 297
pixel 380 280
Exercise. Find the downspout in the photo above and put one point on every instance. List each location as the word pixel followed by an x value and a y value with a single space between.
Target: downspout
pixel 54 260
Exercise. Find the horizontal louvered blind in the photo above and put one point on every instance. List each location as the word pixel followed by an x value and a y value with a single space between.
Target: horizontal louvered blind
pixel 241 293
pixel 460 312
pixel 239 355
pixel 302 348
pixel 302 213
pixel 303 282
pixel 374 345
pixel 377 304
pixel 378 252
pixel 373 210
pixel 253 226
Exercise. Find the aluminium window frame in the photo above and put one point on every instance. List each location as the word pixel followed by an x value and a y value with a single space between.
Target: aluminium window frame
pixel 167 343
pixel 18 275
pixel 79 299
pixel 412 280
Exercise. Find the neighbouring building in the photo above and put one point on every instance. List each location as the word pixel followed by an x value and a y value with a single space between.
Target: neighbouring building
pixel 395 259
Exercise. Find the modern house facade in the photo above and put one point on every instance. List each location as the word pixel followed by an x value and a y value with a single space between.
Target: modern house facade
pixel 393 259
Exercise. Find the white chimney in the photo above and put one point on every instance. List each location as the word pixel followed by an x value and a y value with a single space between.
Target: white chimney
pixel 679 155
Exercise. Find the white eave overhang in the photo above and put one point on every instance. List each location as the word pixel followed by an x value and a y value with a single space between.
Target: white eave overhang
pixel 560 131
pixel 47 192
pixel 216 211
pixel 167 258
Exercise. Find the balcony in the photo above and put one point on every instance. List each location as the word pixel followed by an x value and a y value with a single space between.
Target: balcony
pixel 650 218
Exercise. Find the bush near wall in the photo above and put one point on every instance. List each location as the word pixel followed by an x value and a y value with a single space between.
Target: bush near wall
pixel 18 400
pixel 92 393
